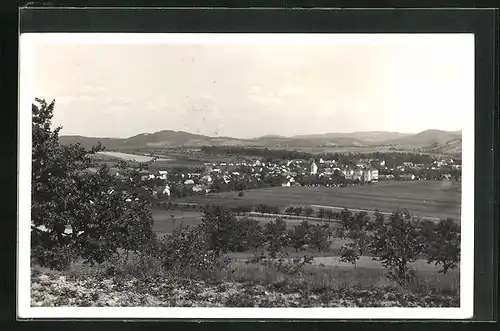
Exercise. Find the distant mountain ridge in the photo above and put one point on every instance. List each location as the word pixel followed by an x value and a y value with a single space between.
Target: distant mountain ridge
pixel 436 141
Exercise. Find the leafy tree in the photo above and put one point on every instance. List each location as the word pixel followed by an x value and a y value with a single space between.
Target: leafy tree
pixel 329 214
pixel 443 244
pixel 274 210
pixel 357 232
pixel 377 222
pixel 77 211
pixel 396 243
pixel 245 209
pixel 186 252
pixel 346 221
pixel 253 236
pixel 276 236
pixel 321 213
pixel 299 235
pixel 219 226
pixel 319 237
pixel 262 208
pixel 290 211
pixel 298 211
pixel 349 253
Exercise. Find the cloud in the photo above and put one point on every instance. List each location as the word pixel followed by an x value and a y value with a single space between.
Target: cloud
pixel 290 90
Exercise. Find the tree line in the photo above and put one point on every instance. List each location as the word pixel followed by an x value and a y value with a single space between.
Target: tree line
pixel 393 159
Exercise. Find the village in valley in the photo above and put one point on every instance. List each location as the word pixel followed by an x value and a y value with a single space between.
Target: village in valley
pixel 319 172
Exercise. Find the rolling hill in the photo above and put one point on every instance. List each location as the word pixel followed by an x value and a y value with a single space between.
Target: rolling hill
pixel 433 141
pixel 364 136
pixel 427 137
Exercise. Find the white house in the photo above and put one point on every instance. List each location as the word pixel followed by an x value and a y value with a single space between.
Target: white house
pixel 358 174
pixel 367 176
pixel 314 168
pixel 166 190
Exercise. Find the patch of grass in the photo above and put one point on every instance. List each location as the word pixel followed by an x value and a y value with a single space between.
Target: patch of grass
pixel 440 200
pixel 318 279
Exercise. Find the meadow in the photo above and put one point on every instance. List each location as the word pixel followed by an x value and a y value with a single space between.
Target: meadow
pixel 242 285
pixel 243 282
pixel 434 199
pixel 165 221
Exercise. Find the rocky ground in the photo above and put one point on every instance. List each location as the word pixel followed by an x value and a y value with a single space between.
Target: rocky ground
pixel 59 290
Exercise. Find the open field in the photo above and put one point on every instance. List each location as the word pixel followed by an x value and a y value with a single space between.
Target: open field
pixel 438 199
pixel 163 162
pixel 164 223
pixel 126 156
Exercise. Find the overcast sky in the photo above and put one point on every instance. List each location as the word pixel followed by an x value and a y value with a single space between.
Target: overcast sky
pixel 249 90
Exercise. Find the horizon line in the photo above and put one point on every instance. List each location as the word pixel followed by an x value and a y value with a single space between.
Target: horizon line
pixel 257 137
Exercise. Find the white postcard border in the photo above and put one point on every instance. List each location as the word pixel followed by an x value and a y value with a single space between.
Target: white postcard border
pixel 26 97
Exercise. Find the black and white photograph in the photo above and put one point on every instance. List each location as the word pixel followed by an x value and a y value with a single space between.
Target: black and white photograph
pixel 179 175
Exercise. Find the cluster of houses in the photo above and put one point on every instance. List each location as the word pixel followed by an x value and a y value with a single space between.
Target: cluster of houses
pixel 289 172
pixel 363 171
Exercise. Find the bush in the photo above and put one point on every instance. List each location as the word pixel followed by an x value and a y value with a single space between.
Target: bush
pixel 292 266
pixel 55 257
pixel 186 253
